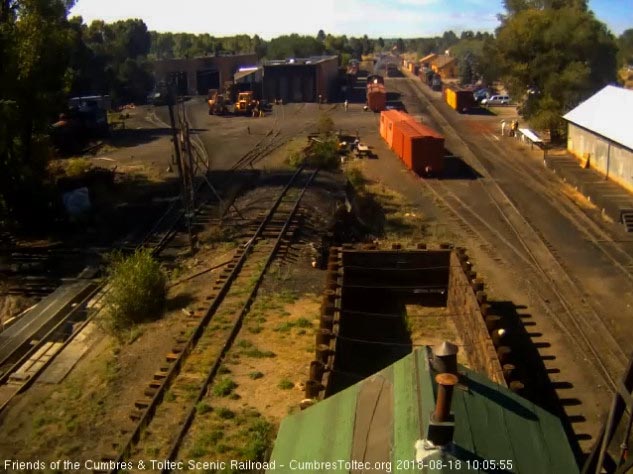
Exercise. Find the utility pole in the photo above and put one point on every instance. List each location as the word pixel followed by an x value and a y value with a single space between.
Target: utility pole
pixel 185 193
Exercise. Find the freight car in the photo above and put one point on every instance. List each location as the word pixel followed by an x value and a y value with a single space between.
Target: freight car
pixel 387 119
pixel 420 148
pixel 461 100
pixel 376 97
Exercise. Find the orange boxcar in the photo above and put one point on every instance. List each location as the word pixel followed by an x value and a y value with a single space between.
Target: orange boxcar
pixel 397 143
pixel 387 119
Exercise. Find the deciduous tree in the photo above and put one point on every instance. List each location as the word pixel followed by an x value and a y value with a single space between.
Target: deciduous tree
pixel 563 53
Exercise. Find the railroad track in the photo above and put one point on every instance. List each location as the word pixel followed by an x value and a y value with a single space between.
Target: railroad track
pixel 550 281
pixel 162 418
pixel 27 361
pixel 583 223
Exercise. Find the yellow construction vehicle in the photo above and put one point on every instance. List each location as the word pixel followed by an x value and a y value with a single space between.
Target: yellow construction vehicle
pixel 216 102
pixel 245 103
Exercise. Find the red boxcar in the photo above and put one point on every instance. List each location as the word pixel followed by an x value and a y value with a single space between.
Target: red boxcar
pixel 422 149
pixel 376 97
pixel 419 147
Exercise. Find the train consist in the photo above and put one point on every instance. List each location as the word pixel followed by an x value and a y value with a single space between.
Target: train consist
pixel 376 93
pixel 420 148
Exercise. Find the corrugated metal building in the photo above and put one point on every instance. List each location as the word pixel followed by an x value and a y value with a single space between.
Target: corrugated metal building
pixel 599 134
pixel 301 79
pixel 197 75
pixel 384 420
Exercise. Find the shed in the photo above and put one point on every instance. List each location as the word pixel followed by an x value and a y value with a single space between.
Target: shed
pixel 383 421
pixel 599 134
pixel 426 60
pixel 301 79
pixel 445 66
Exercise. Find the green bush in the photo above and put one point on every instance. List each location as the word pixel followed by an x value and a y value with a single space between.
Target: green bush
pixel 355 177
pixel 137 287
pixel 295 159
pixel 325 124
pixel 77 166
pixel 324 154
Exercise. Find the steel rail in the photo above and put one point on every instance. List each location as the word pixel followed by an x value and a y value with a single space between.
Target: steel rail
pixel 174 368
pixel 533 262
pixel 173 452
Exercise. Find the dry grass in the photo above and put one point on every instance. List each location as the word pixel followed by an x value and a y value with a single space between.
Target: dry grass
pixel 578 198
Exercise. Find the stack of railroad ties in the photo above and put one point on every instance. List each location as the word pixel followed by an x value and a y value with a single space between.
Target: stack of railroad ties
pixel 420 148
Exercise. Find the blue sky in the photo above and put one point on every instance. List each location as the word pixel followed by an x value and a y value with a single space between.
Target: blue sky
pixel 270 18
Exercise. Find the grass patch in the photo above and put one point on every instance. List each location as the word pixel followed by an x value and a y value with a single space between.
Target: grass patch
pixel 224 387
pixel 202 408
pixel 284 327
pixel 77 167
pixel 225 413
pixel 303 323
pixel 260 437
pixel 256 375
pixel 256 353
pixel 255 329
pixel 356 178
pixel 245 344
pixel 285 384
pixel 288 325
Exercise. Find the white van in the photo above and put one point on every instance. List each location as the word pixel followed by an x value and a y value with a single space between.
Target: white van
pixel 496 100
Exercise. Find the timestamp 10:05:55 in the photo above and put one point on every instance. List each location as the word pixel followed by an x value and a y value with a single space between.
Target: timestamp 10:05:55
pixel 456 464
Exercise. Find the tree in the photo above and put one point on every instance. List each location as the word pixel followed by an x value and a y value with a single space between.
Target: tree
pixel 625 43
pixel 466 68
pixel 381 43
pixel 259 47
pixel 293 46
pixel 564 53
pixel 400 45
pixel 320 36
pixel 35 45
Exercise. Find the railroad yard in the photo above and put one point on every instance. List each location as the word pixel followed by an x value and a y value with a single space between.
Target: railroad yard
pixel 235 351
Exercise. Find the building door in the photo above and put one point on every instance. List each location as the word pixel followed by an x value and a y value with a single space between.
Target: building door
pixel 207 79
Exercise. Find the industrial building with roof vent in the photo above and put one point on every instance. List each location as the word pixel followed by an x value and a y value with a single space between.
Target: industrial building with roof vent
pixel 301 79
pixel 599 134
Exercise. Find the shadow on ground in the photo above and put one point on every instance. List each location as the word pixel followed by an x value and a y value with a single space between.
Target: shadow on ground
pixel 456 168
pixel 524 344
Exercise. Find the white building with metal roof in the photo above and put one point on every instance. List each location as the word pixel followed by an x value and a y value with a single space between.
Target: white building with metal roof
pixel 600 133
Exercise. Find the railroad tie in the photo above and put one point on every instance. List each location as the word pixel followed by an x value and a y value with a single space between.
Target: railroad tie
pixel 150 392
pixel 142 404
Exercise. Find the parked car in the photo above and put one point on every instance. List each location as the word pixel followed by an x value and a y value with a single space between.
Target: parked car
pixel 481 94
pixel 496 100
